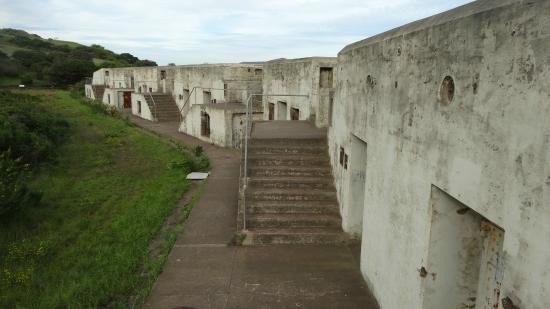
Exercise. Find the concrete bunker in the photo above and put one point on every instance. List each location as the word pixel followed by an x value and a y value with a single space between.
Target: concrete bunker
pixel 465 259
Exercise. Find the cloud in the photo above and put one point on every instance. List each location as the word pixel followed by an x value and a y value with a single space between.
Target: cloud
pixel 216 31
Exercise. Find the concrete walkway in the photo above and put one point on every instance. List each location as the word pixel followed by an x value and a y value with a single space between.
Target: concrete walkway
pixel 202 271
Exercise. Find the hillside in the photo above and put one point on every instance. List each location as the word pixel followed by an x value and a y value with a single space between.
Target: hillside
pixel 30 59
pixel 84 201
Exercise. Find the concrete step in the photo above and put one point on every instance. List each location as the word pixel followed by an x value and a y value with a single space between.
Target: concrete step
pixel 288 142
pixel 290 195
pixel 319 183
pixel 289 160
pixel 291 149
pixel 277 221
pixel 289 171
pixel 302 207
pixel 167 113
pixel 305 236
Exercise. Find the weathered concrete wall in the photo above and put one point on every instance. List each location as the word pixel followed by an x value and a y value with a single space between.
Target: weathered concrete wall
pixel 110 97
pixel 218 125
pixel 239 80
pixel 114 97
pixel 146 78
pixel 138 99
pixel 226 123
pixel 298 76
pixel 89 91
pixel 121 77
pixel 99 77
pixel 192 82
pixel 489 147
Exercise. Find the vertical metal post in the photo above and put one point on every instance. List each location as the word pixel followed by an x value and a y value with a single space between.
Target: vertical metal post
pixel 245 184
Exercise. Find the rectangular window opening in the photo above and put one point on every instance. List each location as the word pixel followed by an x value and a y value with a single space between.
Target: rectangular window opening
pixel 325 78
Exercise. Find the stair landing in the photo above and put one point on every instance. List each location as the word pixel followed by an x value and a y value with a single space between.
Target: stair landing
pixel 286 129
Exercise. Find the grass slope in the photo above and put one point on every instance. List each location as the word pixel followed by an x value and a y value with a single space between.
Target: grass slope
pixel 87 245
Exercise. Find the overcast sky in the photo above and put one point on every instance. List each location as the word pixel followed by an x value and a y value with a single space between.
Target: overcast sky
pixel 199 31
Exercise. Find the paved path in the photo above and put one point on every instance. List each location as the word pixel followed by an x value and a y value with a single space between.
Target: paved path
pixel 203 272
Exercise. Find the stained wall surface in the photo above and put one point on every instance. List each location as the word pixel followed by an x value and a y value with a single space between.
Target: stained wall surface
pixel 489 147
pixel 298 77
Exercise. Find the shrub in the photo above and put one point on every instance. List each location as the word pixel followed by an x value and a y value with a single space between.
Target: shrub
pixel 29 134
pixel 198 150
pixel 26 79
pixel 64 73
pixel 28 130
pixel 14 192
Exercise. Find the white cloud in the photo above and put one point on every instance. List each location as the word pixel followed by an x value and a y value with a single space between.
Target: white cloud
pixel 216 31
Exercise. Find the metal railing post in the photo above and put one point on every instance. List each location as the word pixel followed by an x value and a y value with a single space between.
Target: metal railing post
pixel 154 106
pixel 246 132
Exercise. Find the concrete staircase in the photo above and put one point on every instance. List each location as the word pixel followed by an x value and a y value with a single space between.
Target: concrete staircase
pixel 290 197
pixel 166 108
pixel 98 90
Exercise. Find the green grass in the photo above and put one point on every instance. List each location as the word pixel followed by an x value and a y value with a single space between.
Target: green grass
pixel 9 49
pixel 87 244
pixel 9 81
pixel 98 61
pixel 61 42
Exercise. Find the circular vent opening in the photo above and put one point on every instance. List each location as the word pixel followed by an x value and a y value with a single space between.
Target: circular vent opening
pixel 447 90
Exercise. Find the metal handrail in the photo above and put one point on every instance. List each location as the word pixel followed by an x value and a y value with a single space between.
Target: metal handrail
pixel 247 133
pixel 185 103
pixel 193 90
pixel 154 106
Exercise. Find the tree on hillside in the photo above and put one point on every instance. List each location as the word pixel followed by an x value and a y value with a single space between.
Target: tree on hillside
pixel 128 58
pixel 146 63
pixel 7 66
pixel 28 57
pixel 64 73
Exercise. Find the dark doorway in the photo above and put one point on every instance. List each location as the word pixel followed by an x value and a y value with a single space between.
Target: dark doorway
pixel 294 114
pixel 271 114
pixel 127 96
pixel 205 124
